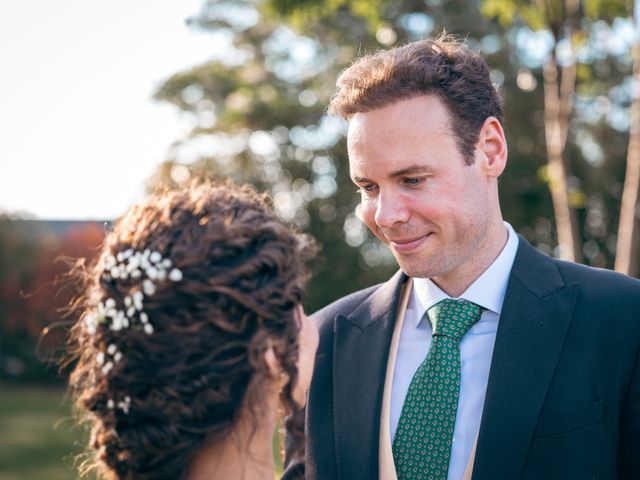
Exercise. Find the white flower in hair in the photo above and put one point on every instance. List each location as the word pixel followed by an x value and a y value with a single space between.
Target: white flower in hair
pixel 107 367
pixel 145 256
pixel 101 358
pixel 137 299
pixel 148 287
pixel 175 275
pixel 134 263
pixel 117 323
pixel 125 404
pixel 148 265
pixel 109 262
pixel 91 321
pixel 152 273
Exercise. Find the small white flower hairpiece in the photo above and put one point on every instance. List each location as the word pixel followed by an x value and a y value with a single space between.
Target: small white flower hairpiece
pixel 123 405
pixel 124 265
pixel 147 266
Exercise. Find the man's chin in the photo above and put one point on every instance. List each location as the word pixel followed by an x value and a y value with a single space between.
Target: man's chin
pixel 414 270
pixel 425 263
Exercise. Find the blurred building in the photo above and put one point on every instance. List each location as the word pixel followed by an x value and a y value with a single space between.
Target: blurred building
pixel 35 258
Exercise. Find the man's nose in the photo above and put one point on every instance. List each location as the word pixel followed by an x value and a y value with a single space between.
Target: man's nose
pixel 390 210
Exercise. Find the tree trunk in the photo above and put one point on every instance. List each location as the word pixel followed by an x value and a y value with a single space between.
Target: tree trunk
pixel 557 107
pixel 627 245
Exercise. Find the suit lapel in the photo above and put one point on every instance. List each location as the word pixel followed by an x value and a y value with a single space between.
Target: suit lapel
pixel 361 347
pixel 533 323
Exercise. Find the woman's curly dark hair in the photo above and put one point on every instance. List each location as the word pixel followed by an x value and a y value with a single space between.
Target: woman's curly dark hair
pixel 243 274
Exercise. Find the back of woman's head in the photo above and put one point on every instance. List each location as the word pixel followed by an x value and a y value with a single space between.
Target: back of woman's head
pixel 191 288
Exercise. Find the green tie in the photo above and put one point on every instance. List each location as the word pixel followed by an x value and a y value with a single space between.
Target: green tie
pixel 422 445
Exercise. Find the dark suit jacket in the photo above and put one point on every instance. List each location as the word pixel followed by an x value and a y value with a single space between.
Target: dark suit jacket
pixel 563 396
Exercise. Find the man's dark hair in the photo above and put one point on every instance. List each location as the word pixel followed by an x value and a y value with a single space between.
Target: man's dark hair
pixel 441 66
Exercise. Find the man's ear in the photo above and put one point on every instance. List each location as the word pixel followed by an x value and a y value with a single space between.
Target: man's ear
pixel 492 147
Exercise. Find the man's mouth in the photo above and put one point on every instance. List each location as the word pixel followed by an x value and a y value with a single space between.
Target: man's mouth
pixel 406 245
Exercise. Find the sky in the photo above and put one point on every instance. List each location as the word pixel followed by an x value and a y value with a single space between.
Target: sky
pixel 79 132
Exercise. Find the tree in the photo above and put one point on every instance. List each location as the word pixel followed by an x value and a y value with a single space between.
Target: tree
pixel 564 20
pixel 627 245
pixel 32 291
pixel 569 22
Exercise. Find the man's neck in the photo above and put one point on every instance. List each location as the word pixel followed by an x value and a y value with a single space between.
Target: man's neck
pixel 456 282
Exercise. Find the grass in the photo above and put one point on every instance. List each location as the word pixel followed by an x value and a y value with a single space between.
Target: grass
pixel 39 438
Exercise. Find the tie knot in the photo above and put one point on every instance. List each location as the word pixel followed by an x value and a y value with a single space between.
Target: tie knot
pixel 453 318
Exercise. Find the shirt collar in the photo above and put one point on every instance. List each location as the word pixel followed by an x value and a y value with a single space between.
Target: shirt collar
pixel 488 290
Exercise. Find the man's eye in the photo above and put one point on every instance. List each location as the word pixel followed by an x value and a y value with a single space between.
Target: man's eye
pixel 414 181
pixel 368 188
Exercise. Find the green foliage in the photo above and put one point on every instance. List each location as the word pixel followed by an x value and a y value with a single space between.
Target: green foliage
pixel 33 294
pixel 607 9
pixel 504 11
pixel 581 32
pixel 262 121
pixel 553 14
pixel 300 13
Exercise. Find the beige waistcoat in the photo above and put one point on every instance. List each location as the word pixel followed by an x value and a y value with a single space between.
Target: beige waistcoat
pixel 386 465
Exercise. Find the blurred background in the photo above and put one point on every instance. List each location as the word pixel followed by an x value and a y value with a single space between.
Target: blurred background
pixel 104 101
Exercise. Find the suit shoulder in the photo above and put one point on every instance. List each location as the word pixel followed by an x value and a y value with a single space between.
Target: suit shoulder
pixel 598 284
pixel 545 275
pixel 597 278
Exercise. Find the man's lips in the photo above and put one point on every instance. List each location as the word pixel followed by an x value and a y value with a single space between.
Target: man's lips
pixel 405 245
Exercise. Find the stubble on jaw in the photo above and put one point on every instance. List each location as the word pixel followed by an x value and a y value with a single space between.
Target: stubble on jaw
pixel 452 267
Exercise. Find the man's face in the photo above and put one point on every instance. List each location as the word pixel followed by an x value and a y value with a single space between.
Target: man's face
pixel 417 194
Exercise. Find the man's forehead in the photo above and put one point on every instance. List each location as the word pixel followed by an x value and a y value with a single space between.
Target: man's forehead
pixel 355 127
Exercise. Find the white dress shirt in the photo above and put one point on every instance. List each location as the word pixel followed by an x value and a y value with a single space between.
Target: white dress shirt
pixel 476 349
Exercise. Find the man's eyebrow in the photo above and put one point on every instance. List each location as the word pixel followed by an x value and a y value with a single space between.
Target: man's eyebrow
pixel 409 170
pixel 398 173
pixel 360 180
